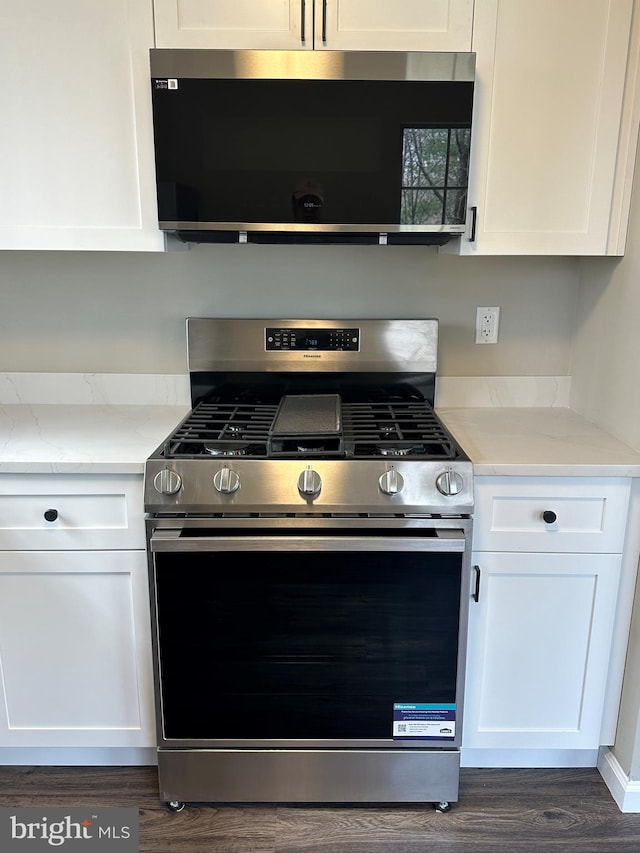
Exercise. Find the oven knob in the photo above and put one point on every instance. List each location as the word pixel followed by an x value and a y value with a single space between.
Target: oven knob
pixel 167 482
pixel 391 482
pixel 309 483
pixel 226 481
pixel 449 482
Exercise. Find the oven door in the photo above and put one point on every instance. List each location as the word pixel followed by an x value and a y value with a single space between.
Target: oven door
pixel 320 639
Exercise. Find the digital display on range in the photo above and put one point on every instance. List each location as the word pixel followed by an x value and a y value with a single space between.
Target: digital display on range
pixel 323 340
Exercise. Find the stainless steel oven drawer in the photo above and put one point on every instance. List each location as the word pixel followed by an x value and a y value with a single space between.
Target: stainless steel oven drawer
pixel 313 776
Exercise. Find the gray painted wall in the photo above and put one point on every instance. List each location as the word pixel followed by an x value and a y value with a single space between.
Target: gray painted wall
pixel 124 313
pixel 606 388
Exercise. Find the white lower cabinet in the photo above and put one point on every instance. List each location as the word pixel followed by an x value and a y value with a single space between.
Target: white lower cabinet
pixel 75 639
pixel 539 641
pixel 74 649
pixel 546 573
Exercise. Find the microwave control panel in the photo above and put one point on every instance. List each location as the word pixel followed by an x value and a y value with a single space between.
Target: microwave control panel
pixel 325 340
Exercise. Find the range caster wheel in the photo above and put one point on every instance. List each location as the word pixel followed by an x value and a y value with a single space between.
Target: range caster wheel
pixel 442 807
pixel 175 806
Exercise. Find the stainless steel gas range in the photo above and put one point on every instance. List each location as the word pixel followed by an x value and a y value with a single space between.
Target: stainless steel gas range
pixel 309 534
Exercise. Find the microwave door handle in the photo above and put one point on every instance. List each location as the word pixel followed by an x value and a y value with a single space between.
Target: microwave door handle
pixel 474 222
pixel 303 34
pixel 324 22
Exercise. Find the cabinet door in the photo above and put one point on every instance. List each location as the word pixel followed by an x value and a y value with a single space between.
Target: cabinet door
pixel 337 24
pixel 539 642
pixel 75 658
pixel 394 25
pixel 237 25
pixel 547 115
pixel 76 148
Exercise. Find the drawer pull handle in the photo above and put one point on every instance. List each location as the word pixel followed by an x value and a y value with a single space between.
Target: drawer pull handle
pixel 549 516
pixel 476 592
pixel 50 514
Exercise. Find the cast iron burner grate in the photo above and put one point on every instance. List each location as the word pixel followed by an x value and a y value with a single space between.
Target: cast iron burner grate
pixel 393 429
pixel 219 429
pixel 396 429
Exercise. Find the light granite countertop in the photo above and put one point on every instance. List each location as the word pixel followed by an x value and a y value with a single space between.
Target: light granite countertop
pixel 538 442
pixel 75 439
pixel 82 423
pixel 41 438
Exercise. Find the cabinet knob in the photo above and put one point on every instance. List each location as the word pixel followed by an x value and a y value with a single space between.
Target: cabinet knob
pixel 50 514
pixel 549 516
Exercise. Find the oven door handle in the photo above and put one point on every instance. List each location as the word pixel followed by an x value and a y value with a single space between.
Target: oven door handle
pixel 174 541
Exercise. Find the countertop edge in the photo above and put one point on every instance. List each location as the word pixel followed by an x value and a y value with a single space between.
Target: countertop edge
pixel 514 469
pixel 42 467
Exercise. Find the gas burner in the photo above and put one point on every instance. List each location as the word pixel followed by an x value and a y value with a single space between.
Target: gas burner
pixel 386 430
pixel 227 448
pixel 399 449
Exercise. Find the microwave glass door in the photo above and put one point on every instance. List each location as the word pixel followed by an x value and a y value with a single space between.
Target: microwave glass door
pixel 312 152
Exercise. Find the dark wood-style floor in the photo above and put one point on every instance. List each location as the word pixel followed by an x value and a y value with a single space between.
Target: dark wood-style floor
pixel 499 811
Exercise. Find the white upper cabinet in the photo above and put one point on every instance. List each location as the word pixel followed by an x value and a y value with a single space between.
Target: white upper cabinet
pixel 315 24
pixel 234 24
pixel 552 139
pixel 76 147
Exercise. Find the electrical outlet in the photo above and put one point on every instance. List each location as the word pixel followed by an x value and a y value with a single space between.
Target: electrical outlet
pixel 487 322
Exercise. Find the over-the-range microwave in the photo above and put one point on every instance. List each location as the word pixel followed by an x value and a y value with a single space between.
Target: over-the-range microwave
pixel 312 146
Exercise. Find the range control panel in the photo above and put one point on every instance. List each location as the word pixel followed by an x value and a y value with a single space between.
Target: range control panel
pixel 326 340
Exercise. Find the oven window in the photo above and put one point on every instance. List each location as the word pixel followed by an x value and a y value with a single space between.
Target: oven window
pixel 303 645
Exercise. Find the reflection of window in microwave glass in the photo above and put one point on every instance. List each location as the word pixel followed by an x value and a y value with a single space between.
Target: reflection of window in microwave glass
pixel 301 144
pixel 435 174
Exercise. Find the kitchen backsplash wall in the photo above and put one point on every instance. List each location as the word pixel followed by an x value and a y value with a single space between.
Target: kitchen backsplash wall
pixel 124 313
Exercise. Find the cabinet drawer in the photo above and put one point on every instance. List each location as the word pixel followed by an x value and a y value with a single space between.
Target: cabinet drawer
pixel 581 514
pixel 82 512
